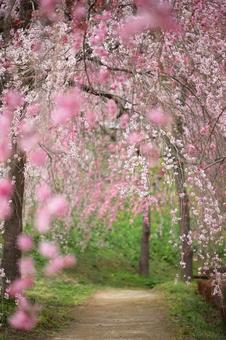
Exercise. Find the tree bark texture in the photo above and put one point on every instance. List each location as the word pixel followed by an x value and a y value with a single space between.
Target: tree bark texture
pixel 184 211
pixel 14 224
pixel 144 250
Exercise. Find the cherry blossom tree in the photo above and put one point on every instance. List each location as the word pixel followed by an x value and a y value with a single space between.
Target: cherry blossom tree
pixel 94 93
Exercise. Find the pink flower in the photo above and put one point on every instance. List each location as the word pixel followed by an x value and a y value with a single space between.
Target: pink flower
pixel 13 99
pixel 5 150
pixel 43 192
pixel 4 126
pixel 124 120
pixel 54 266
pixel 112 108
pixel 112 148
pixel 37 157
pixel 59 263
pixel 23 320
pixel 79 12
pixel 150 15
pixel 26 267
pixel 158 117
pixel 204 131
pixel 103 75
pixel 191 149
pixel 24 242
pixel 43 220
pixel 6 188
pixel 151 152
pixel 91 118
pixel 58 206
pixel 68 105
pixel 135 138
pixel 36 46
pixel 47 7
pixel 48 249
pixel 33 109
pixel 60 115
pixel 69 261
pixel 18 286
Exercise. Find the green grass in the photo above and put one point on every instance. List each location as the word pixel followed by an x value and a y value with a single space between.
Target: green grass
pixel 114 261
pixel 192 316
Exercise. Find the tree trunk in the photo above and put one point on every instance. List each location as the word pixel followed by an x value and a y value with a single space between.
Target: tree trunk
pixel 184 210
pixel 144 253
pixel 13 225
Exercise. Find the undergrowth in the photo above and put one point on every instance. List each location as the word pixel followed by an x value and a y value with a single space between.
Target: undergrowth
pixel 193 317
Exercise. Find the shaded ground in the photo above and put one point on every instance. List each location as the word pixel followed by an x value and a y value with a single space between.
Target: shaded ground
pixel 120 314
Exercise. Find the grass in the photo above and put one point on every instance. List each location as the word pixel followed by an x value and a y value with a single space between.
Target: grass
pixel 115 263
pixel 192 316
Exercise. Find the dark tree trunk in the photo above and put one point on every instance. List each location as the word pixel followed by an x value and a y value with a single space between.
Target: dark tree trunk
pixel 184 210
pixel 13 225
pixel 144 250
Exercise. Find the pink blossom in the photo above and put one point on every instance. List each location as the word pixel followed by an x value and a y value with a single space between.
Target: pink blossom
pixel 190 149
pixel 37 157
pixel 43 192
pixel 100 52
pixel 69 261
pixel 124 120
pixel 24 242
pixel 26 267
pixel 134 25
pixel 47 7
pixel 36 46
pixel 33 109
pixel 13 99
pixel 79 12
pixel 48 249
pixel 22 320
pixel 151 152
pixel 54 266
pixel 18 286
pixel 60 115
pixel 5 150
pixel 4 125
pixel 6 188
pixel 58 206
pixel 43 220
pixel 112 108
pixel 91 118
pixel 68 105
pixel 204 131
pixel 135 138
pixel 59 263
pixel 150 15
pixel 99 34
pixel 103 75
pixel 112 148
pixel 158 117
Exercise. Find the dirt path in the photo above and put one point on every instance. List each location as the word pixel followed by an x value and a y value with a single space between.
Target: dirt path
pixel 120 314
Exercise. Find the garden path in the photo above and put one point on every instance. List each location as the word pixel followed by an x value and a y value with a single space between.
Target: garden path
pixel 120 314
